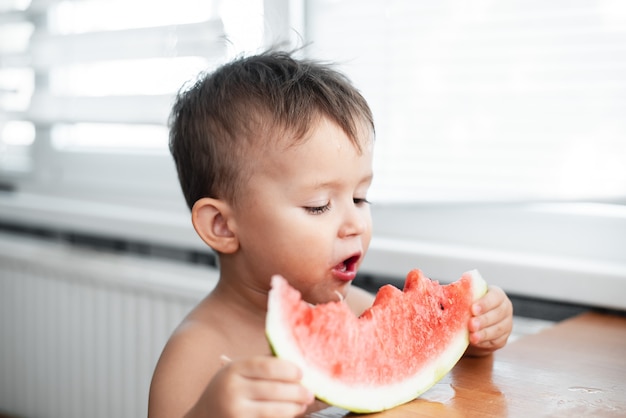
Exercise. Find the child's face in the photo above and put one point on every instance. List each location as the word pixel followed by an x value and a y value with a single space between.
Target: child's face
pixel 303 214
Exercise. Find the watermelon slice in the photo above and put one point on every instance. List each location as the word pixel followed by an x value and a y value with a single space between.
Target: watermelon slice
pixel 395 351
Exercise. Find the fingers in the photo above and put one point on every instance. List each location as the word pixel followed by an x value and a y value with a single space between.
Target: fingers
pixel 270 368
pixel 492 322
pixel 269 399
pixel 272 409
pixel 263 386
pixel 493 299
pixel 267 391
pixel 269 378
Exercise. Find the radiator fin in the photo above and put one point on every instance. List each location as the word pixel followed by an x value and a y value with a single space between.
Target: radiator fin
pixel 81 331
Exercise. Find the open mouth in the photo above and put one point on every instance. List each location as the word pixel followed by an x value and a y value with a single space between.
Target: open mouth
pixel 348 265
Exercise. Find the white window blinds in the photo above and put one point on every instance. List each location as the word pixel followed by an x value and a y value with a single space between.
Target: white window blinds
pixel 86 87
pixel 472 101
pixel 16 86
pixel 486 100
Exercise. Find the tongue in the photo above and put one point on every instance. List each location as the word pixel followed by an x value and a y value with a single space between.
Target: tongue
pixel 341 267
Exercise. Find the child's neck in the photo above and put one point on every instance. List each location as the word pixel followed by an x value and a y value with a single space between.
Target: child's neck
pixel 241 299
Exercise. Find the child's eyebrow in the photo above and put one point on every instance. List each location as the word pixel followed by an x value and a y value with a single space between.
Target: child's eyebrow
pixel 367 179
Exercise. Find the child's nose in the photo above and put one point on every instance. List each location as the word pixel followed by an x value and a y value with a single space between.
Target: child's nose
pixel 355 222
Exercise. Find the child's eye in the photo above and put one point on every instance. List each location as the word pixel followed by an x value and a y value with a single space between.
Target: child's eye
pixel 360 201
pixel 317 210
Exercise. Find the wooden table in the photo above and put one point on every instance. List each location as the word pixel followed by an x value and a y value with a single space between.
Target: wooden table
pixel 576 368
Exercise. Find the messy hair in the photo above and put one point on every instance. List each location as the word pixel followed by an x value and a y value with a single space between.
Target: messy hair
pixel 247 103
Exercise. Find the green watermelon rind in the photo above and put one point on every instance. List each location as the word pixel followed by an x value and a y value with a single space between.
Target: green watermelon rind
pixel 364 398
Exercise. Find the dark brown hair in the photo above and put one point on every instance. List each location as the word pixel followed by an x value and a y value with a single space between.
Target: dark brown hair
pixel 248 102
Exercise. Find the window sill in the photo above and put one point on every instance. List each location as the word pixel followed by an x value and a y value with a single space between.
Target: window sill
pixel 562 252
pixel 566 252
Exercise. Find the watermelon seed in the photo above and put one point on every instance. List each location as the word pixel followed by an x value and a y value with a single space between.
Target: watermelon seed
pixel 441 306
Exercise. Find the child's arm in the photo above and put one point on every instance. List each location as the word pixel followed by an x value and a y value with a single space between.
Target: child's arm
pixel 261 386
pixel 491 322
pixel 191 380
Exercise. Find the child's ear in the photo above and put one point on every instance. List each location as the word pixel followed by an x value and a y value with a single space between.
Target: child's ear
pixel 212 220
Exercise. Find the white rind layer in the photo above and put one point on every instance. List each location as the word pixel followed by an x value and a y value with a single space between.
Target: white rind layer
pixel 364 398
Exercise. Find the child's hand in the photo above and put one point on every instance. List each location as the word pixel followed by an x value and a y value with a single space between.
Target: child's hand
pixel 256 387
pixel 491 322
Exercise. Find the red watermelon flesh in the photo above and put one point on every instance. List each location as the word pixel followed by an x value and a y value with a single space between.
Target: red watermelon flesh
pixel 396 350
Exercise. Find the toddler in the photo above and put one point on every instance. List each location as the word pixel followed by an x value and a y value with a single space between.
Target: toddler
pixel 274 157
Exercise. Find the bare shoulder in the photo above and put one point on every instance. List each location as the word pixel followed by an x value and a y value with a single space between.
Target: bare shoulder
pixel 188 362
pixel 196 343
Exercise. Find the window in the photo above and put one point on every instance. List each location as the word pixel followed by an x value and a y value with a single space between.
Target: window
pixel 86 88
pixel 481 101
pixel 473 101
pixel 16 87
pixel 486 100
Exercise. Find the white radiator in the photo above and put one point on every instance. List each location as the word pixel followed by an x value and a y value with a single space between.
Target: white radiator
pixel 81 330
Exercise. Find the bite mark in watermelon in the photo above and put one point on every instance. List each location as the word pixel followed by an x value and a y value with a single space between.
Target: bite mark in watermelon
pixel 396 350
